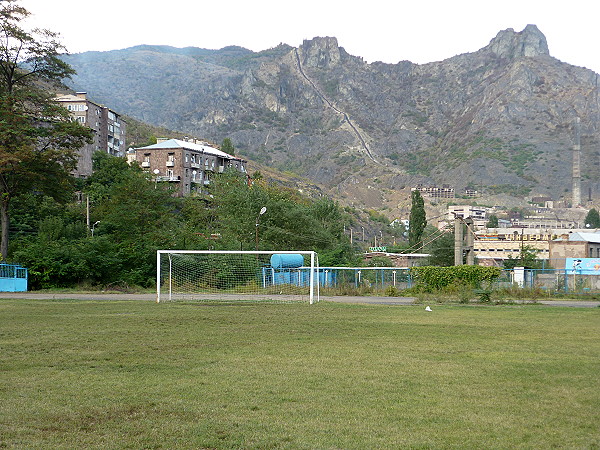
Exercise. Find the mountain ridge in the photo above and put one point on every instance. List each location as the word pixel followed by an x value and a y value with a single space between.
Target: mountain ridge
pixel 497 119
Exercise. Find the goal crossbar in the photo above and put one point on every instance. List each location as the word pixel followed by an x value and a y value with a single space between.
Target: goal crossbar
pixel 230 274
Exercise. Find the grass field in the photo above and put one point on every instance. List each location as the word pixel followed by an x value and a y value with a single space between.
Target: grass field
pixel 132 374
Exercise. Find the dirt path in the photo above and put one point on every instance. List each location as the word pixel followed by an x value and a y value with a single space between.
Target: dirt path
pixel 340 299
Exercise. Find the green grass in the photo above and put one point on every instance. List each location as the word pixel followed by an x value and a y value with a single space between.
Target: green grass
pixel 84 374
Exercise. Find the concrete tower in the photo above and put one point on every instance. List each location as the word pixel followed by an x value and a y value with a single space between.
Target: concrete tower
pixel 577 165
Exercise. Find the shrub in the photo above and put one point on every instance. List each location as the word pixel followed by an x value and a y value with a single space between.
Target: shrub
pixel 432 278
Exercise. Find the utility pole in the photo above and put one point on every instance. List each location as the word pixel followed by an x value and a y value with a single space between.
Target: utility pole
pixel 87 211
pixel 458 241
pixel 469 242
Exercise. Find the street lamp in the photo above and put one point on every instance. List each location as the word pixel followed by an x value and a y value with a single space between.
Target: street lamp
pixel 262 211
pixel 156 172
pixel 94 226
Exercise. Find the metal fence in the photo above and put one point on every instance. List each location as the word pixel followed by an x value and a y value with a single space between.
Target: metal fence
pixel 365 277
pixel 559 281
pixel 13 278
pixel 553 281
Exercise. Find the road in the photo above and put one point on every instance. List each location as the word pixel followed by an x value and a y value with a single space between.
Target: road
pixel 339 299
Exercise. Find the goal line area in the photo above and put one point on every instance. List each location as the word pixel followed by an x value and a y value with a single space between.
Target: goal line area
pixel 236 276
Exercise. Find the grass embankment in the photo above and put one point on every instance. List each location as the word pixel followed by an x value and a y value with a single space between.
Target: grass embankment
pixel 138 374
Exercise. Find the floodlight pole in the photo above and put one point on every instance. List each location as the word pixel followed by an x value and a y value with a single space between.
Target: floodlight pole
pixel 94 226
pixel 262 211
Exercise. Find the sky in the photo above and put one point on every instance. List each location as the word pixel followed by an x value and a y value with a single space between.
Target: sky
pixel 419 31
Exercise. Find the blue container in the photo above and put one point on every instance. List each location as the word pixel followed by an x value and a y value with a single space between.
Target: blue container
pixel 287 260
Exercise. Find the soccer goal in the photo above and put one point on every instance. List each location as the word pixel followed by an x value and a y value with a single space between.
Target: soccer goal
pixel 213 275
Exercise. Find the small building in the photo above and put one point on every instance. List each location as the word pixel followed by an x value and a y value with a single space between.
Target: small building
pixel 582 244
pixel 470 192
pixel 189 165
pixel 444 191
pixel 108 127
pixel 477 213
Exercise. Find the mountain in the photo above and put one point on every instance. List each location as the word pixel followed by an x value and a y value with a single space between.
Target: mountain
pixel 499 120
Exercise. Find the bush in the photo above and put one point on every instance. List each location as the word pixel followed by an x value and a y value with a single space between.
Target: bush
pixel 433 278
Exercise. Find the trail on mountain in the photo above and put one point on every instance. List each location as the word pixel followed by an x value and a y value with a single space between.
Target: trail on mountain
pixel 332 106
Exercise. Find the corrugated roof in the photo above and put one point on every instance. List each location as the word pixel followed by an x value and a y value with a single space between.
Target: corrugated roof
pixel 583 236
pixel 176 143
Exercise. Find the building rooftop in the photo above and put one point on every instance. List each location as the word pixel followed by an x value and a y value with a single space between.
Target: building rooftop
pixel 585 236
pixel 176 143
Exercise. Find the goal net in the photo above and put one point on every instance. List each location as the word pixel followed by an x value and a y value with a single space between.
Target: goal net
pixel 212 275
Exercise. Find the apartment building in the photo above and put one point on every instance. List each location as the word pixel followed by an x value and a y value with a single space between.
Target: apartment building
pixel 188 165
pixel 109 129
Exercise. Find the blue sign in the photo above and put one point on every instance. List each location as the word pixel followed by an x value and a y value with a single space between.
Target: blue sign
pixel 584 266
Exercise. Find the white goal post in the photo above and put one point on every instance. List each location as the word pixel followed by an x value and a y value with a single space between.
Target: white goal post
pixel 223 275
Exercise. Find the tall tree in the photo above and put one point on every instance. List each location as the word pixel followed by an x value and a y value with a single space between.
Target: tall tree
pixel 592 220
pixel 417 220
pixel 227 146
pixel 38 139
pixel 492 221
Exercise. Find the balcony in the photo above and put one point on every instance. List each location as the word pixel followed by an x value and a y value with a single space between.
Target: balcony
pixel 146 164
pixel 171 179
pixel 195 165
pixel 170 163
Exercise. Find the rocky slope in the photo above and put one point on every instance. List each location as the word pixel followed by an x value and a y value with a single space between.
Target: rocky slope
pixel 498 119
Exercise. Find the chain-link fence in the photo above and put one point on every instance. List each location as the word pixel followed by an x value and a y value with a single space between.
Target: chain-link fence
pixel 344 280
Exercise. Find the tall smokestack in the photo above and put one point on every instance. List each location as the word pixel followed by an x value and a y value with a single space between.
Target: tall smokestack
pixel 577 165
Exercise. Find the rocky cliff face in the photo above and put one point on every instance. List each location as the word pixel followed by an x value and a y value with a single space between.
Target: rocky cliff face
pixel 499 119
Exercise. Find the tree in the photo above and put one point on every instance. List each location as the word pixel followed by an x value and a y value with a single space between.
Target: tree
pixel 442 250
pixel 417 220
pixel 227 146
pixel 492 222
pixel 527 258
pixel 592 220
pixel 38 138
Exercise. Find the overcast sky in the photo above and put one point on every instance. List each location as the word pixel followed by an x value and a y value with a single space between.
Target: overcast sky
pixel 419 31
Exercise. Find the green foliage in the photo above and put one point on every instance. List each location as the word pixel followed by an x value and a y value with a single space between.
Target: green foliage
pixel 433 278
pixel 38 139
pixel 527 258
pixel 134 217
pixel 380 261
pixel 442 250
pixel 376 216
pixel 492 221
pixel 592 219
pixel 227 146
pixel 417 220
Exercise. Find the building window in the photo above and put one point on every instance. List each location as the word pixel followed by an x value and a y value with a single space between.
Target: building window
pixel 171 157
pixel 170 173
pixel 80 119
